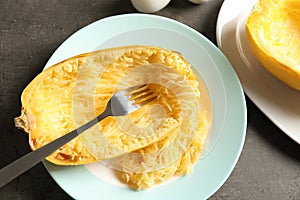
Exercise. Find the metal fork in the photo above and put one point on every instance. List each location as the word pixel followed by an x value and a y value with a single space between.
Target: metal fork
pixel 121 103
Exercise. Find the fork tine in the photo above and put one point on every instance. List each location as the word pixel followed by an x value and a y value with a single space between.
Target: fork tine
pixel 140 92
pixel 144 102
pixel 139 97
pixel 131 99
pixel 135 89
pixel 143 97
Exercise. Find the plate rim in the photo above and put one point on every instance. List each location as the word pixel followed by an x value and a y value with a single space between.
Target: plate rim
pixel 243 113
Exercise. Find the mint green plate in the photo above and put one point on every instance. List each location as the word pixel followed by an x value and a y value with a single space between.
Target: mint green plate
pixel 228 127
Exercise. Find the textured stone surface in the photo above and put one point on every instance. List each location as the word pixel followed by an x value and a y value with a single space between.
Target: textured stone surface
pixel 30 31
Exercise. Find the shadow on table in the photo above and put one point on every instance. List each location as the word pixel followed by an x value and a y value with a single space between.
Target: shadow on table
pixel 271 133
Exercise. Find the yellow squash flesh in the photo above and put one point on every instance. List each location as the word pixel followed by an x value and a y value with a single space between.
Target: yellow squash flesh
pixel 47 107
pixel 273 30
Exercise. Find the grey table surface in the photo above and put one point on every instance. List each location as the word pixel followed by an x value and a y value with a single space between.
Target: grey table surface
pixel 31 30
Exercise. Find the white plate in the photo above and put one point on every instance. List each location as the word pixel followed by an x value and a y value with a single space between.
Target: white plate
pixel 228 107
pixel 278 101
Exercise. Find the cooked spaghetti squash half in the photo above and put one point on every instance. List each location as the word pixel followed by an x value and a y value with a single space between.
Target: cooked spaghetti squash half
pixel 273 29
pixel 148 146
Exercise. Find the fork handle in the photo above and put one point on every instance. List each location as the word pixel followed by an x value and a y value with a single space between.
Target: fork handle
pixel 19 166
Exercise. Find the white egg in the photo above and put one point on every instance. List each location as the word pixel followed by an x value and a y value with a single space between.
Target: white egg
pixel 198 1
pixel 149 6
